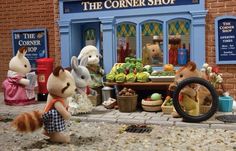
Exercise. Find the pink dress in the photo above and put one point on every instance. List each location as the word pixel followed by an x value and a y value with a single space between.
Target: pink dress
pixel 14 92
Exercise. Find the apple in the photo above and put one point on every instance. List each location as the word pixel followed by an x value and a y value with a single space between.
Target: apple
pixel 156 96
pixel 148 99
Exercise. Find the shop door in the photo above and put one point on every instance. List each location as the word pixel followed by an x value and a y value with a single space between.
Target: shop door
pixel 91 34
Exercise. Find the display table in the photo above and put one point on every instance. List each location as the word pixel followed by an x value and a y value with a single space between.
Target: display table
pixel 141 86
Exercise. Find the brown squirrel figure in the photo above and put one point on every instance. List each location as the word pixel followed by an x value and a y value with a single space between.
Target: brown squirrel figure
pixel 192 96
pixel 60 85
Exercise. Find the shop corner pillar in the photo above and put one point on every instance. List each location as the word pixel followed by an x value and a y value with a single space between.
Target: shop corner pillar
pixel 198 40
pixel 65 43
pixel 108 43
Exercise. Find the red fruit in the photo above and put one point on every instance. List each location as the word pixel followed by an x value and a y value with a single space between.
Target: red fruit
pixel 148 99
pixel 215 69
pixel 126 71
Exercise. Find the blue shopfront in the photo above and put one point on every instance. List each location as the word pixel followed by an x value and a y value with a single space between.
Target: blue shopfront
pixel 147 29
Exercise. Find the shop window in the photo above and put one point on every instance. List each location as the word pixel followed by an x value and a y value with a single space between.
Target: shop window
pixel 179 42
pixel 126 41
pixel 152 43
pixel 90 37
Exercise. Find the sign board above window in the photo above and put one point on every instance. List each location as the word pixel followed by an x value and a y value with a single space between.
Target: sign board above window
pixel 225 40
pixel 100 5
pixel 35 40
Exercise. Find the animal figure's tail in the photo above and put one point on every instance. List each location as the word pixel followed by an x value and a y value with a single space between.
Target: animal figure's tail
pixel 28 122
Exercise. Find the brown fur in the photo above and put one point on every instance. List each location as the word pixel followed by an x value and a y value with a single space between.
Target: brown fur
pixel 22 49
pixel 190 65
pixel 28 122
pixel 56 71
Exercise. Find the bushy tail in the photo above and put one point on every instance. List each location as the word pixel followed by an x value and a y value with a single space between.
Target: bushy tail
pixel 28 122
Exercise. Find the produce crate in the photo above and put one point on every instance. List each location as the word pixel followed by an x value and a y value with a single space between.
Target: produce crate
pixel 204 109
pixel 166 109
pixel 95 99
pixel 127 103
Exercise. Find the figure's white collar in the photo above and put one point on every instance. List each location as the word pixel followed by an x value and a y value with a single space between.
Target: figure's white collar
pixel 11 73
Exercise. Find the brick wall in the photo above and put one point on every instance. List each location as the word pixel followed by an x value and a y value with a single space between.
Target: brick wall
pixel 27 14
pixel 219 8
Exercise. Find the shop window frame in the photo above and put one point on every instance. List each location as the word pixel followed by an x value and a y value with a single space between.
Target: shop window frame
pixel 141 39
pixel 116 37
pixel 167 39
pixel 165 30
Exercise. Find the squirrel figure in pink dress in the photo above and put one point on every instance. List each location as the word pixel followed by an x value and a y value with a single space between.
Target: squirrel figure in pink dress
pixel 16 86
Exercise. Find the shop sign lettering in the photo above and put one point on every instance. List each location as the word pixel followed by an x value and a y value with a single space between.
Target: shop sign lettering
pixel 227 39
pixel 34 40
pixel 96 5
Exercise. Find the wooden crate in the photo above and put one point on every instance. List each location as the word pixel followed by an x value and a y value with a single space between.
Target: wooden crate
pixel 166 109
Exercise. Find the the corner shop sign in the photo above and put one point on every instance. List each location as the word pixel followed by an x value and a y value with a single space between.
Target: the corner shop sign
pixel 98 5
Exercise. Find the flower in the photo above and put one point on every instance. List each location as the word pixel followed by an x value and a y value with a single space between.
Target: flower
pixel 212 74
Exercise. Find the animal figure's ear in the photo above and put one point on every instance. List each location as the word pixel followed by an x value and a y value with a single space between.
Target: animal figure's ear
pixel 100 56
pixel 57 71
pixel 74 65
pixel 191 65
pixel 84 61
pixel 74 62
pixel 21 52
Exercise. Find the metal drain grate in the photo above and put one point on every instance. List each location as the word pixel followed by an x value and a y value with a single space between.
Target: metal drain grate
pixel 138 129
pixel 227 118
pixel 5 120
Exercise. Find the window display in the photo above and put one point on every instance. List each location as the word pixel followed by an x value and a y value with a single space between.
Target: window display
pixel 179 42
pixel 90 38
pixel 152 42
pixel 126 41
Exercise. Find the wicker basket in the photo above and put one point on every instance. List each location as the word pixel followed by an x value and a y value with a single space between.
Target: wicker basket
pixel 166 109
pixel 152 106
pixel 127 103
pixel 204 109
pixel 95 99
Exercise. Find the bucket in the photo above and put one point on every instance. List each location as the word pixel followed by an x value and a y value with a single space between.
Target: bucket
pixel 225 104
pixel 127 103
pixel 107 92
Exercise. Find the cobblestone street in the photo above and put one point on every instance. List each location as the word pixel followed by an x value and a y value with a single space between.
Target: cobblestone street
pixel 104 130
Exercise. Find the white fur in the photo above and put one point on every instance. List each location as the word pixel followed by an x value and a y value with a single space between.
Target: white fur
pixel 89 55
pixel 20 65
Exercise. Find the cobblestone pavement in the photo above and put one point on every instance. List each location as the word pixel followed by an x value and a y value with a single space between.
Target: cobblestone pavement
pixel 103 130
pixel 101 114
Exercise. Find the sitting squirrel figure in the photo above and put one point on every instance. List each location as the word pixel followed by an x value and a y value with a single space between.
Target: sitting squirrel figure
pixel 188 94
pixel 60 85
pixel 16 86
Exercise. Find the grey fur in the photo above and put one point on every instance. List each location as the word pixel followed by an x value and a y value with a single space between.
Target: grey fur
pixel 80 74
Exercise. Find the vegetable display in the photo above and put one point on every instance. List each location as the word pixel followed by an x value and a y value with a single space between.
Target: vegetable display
pixel 131 71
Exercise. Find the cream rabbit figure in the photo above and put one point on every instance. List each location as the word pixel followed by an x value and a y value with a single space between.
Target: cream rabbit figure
pixel 16 85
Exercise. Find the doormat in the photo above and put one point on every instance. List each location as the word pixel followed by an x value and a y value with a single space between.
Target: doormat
pixel 138 129
pixel 227 118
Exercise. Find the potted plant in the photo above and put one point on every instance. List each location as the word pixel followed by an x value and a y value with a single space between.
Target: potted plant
pixel 215 78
